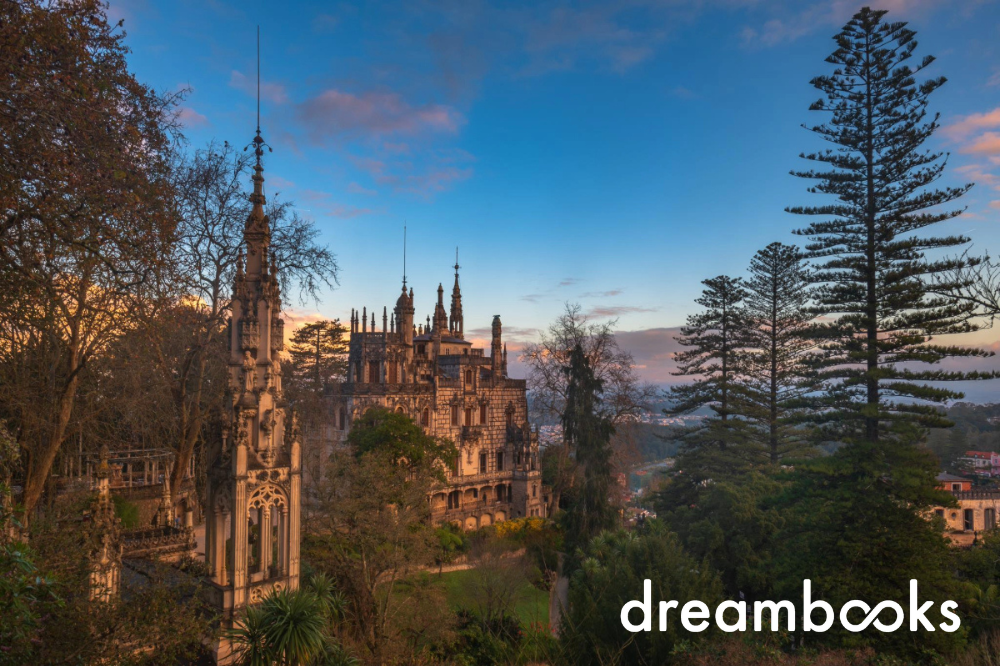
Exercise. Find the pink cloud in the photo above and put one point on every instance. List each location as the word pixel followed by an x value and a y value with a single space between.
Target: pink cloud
pixel 325 205
pixel 273 92
pixel 610 311
pixel 402 178
pixel 995 204
pixel 986 144
pixel 968 125
pixel 335 113
pixel 190 118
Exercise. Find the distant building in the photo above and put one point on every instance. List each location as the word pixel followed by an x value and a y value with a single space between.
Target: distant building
pixel 435 376
pixel 976 511
pixel 981 463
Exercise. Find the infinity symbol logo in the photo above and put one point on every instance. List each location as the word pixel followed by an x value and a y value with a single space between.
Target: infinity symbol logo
pixel 872 616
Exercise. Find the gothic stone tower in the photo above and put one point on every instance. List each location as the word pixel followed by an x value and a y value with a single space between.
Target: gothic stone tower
pixel 254 483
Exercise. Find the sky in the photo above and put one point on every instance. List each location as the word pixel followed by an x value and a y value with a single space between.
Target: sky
pixel 609 154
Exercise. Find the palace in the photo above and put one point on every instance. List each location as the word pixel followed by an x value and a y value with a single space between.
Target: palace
pixel 453 390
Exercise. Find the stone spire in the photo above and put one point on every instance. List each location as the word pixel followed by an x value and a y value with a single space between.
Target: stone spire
pixel 456 324
pixel 440 317
pixel 496 348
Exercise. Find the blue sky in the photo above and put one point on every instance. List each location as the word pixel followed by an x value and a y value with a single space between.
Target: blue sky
pixel 610 154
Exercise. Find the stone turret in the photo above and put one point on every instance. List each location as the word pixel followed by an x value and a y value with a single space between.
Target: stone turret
pixel 440 324
pixel 496 349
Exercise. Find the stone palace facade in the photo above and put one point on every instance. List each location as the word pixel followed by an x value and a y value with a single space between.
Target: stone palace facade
pixel 453 390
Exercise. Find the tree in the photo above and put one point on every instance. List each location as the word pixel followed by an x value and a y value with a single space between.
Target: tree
pixel 588 433
pixel 872 275
pixel 318 354
pixel 625 397
pixel 775 346
pixel 612 574
pixel 368 524
pixel 396 437
pixel 182 336
pixel 714 338
pixel 87 215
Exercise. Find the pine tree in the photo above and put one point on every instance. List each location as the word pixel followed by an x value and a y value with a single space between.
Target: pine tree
pixel 319 354
pixel 872 273
pixel 714 337
pixel 776 344
pixel 588 432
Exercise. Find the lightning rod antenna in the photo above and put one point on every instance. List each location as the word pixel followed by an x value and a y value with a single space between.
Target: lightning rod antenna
pixel 258 79
pixel 404 255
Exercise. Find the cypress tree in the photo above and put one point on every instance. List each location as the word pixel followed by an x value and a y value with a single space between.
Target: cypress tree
pixel 776 346
pixel 589 433
pixel 872 271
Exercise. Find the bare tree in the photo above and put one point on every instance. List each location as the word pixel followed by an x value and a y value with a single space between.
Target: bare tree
pixel 213 202
pixel 623 400
pixel 977 284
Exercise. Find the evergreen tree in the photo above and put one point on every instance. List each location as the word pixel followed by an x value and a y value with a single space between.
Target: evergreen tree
pixel 714 338
pixel 776 343
pixel 589 433
pixel 872 274
pixel 319 354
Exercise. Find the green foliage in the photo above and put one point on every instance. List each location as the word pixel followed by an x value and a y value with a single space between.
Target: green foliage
pixel 290 627
pixel 318 354
pixel 402 441
pixel 730 524
pixel 127 512
pixel 855 525
pixel 610 575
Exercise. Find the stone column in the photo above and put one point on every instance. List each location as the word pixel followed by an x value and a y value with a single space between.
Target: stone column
pixel 264 523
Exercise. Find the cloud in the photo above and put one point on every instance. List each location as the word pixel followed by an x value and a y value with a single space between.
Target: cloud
pixel 568 282
pixel 325 23
pixel 335 113
pixel 190 118
pixel 683 93
pixel 273 92
pixel 424 179
pixel 653 350
pixel 531 298
pixel 987 143
pixel 603 311
pixel 968 125
pixel 279 182
pixel 995 204
pixel 325 204
pixel 514 335
pixel 354 188
pixel 601 294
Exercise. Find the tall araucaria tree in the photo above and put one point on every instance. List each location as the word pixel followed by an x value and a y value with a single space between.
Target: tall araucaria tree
pixel 714 338
pixel 776 345
pixel 870 248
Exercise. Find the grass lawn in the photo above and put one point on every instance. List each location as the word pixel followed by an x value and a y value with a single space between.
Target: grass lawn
pixel 532 604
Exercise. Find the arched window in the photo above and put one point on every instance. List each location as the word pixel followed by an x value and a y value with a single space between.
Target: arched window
pixel 425 417
pixel 482 414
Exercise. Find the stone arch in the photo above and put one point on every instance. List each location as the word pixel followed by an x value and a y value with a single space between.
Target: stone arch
pixel 485 520
pixel 500 493
pixel 499 516
pixel 471 523
pixel 267 496
pixel 470 495
pixel 486 493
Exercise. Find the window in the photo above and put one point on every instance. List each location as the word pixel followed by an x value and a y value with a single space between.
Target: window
pixel 482 414
pixel 393 373
pixel 468 377
pixel 956 487
pixel 454 415
pixel 534 490
pixel 420 349
pixel 939 512
pixel 970 520
pixel 454 465
pixel 534 461
pixel 501 493
pixel 499 461
pixel 517 457
pixel 425 417
pixel 482 463
pixel 989 519
pixel 342 420
pixel 468 416
pixel 510 417
pixel 373 377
